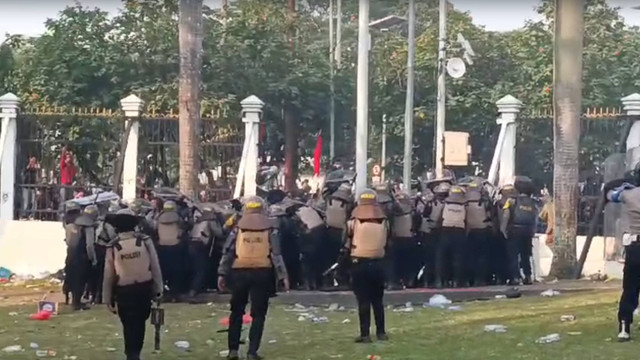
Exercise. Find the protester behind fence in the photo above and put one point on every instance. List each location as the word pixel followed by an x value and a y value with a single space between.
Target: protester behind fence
pixel 67 174
pixel 29 180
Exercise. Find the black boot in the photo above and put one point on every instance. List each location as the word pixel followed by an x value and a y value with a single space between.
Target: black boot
pixel 624 329
pixel 363 340
pixel 192 297
pixel 527 280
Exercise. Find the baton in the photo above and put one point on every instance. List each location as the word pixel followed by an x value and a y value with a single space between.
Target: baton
pixel 157 320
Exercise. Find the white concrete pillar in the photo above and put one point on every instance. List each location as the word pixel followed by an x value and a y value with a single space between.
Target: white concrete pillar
pixel 251 112
pixel 631 105
pixel 132 107
pixel 8 114
pixel 508 107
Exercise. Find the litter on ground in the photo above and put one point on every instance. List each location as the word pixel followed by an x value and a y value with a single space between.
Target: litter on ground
pixel 548 339
pixel 495 328
pixel 550 293
pixel 438 300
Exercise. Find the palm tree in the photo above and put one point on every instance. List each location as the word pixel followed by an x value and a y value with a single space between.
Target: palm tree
pixel 190 38
pixel 567 98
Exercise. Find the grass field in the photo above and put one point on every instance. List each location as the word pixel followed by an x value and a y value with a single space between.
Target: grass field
pixel 422 334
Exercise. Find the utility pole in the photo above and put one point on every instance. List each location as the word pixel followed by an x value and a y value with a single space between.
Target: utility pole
pixel 332 110
pixel 408 110
pixel 362 107
pixel 190 39
pixel 383 160
pixel 338 50
pixel 442 90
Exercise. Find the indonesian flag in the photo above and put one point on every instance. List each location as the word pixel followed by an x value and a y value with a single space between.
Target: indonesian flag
pixel 317 155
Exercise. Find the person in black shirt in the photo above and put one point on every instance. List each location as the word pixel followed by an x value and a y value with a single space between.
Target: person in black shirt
pixel 29 180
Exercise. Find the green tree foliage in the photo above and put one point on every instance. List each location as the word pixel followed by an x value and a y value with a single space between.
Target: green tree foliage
pixel 86 58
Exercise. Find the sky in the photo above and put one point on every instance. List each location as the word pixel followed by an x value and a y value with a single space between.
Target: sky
pixel 28 16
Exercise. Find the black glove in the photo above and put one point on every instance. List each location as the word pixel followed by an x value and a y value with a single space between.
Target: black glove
pixel 343 258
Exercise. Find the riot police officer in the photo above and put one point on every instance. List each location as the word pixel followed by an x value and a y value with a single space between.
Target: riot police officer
pixel 518 226
pixel 169 229
pixel 431 216
pixel 365 243
pixel 105 236
pixel 339 205
pixel 479 226
pixel 404 240
pixel 629 196
pixel 450 262
pixel 498 253
pixel 82 254
pixel 205 229
pixel 386 201
pixel 132 278
pixel 251 256
pixel 71 212
pixel 288 239
pixel 311 233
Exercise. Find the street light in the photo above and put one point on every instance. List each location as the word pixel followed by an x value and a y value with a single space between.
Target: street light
pixel 383 24
pixel 362 102
pixel 387 22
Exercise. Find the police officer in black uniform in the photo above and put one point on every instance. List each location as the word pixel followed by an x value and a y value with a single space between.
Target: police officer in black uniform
pixel 311 230
pixel 431 226
pixel 251 258
pixel 105 236
pixel 627 193
pixel 132 279
pixel 71 238
pixel 169 227
pixel 518 226
pixel 386 201
pixel 498 243
pixel 339 204
pixel 365 243
pixel 479 227
pixel 406 259
pixel 450 261
pixel 204 230
pixel 83 255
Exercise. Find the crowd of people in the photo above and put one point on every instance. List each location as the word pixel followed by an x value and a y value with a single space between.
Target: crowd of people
pixel 447 234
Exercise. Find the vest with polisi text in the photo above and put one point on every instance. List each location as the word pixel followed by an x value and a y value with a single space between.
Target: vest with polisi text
pixel 309 217
pixel 169 231
pixel 253 250
pixel 336 213
pixel 524 212
pixel 454 215
pixel 131 260
pixel 369 239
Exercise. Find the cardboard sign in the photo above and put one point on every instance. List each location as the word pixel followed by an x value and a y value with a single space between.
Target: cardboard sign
pixel 456 148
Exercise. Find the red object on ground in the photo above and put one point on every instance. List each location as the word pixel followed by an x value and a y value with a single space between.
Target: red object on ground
pixel 317 155
pixel 247 319
pixel 41 315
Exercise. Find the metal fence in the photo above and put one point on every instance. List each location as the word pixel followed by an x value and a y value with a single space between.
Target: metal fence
pixel 93 138
pixel 220 151
pixel 601 134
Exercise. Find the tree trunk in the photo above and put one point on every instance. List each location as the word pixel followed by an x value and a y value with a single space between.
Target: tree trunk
pixel 290 123
pixel 567 98
pixel 190 29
